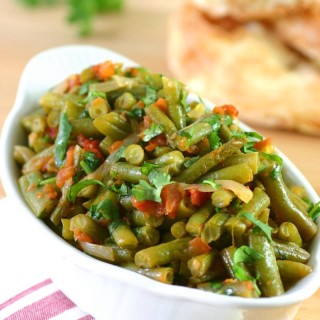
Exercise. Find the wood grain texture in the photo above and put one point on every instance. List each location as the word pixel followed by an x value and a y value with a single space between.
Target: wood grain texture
pixel 138 32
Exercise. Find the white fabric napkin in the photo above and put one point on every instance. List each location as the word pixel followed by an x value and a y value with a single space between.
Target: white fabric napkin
pixel 26 290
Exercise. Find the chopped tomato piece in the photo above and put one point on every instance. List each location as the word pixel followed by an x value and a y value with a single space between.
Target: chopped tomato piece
pixel 90 145
pixel 264 145
pixel 50 192
pixel 115 146
pixel 81 236
pixel 148 207
pixel 197 247
pixel 73 80
pixel 162 104
pixel 171 195
pixel 104 70
pixel 226 109
pixel 68 170
pixel 198 198
pixel 159 140
pixel 52 132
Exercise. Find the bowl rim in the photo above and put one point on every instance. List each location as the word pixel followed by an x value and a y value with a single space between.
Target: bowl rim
pixel 304 289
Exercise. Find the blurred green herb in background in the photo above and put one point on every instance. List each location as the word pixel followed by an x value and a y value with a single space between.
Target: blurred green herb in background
pixel 81 12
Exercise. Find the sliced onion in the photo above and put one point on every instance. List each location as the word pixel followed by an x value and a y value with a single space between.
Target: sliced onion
pixel 241 191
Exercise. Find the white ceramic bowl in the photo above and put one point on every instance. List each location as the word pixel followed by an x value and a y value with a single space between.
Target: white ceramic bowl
pixel 110 292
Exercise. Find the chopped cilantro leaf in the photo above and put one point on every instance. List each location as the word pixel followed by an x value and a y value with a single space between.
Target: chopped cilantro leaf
pixel 152 191
pixel 147 167
pixel 121 189
pixel 214 140
pixel 104 210
pixel 153 131
pixel 279 163
pixel 150 97
pixel 91 160
pixel 267 230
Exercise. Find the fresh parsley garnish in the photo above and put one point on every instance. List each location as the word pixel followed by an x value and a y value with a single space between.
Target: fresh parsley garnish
pixel 91 161
pixel 104 210
pixel 147 167
pixel 152 190
pixel 61 143
pixel 214 140
pixel 245 254
pixel 267 230
pixel 150 96
pixel 122 189
pixel 153 131
pixel 252 137
pixel 275 173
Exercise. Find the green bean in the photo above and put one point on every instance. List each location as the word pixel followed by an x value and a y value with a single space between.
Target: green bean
pixel 199 265
pixel 67 234
pixel 122 234
pixel 286 210
pixel 161 150
pixel 104 145
pixel 162 253
pixel 227 258
pixel 259 202
pixel 214 227
pixel 235 226
pixel 243 289
pixel 115 83
pixel 172 92
pixel 125 201
pixel 195 223
pixel 169 158
pixel 159 117
pixel 125 101
pixel 147 235
pixel 34 121
pixel 222 198
pixel 87 225
pixel 178 229
pixel 252 159
pixel 22 154
pixel 84 126
pixel 164 275
pixel 290 251
pixel 35 196
pixel 192 135
pixel 266 268
pixel 241 173
pixel 288 232
pixel 127 172
pixel 209 161
pixel 291 271
pixel 98 107
pixel 112 125
pixel 134 154
pixel 137 218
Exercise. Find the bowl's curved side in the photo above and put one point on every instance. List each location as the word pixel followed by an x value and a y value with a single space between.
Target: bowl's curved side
pixel 42 72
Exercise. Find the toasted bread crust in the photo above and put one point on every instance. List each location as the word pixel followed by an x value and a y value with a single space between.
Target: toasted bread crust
pixel 248 66
pixel 302 32
pixel 244 10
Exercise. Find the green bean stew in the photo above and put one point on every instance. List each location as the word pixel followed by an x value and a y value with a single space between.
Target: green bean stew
pixel 126 166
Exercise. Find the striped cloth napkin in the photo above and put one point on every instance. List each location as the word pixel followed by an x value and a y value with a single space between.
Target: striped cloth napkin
pixel 41 302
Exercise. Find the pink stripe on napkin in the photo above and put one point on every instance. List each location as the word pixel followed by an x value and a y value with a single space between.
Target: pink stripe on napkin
pixel 46 302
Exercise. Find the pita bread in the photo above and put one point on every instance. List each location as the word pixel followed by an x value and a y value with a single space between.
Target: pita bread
pixel 302 32
pixel 253 9
pixel 245 65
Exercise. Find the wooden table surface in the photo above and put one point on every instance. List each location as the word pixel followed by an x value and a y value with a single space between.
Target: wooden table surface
pixel 138 32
